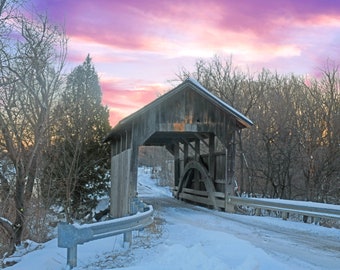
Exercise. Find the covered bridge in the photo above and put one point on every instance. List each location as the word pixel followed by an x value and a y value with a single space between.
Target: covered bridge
pixel 197 128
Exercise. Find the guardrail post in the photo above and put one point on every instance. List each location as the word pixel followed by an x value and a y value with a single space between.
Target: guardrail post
pixel 127 239
pixel 229 206
pixel 285 215
pixel 72 256
pixel 305 218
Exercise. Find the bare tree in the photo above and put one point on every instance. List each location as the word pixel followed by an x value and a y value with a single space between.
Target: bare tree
pixel 293 149
pixel 277 126
pixel 7 14
pixel 31 79
pixel 321 144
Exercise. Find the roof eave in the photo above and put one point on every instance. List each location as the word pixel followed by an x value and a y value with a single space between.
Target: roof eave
pixel 124 123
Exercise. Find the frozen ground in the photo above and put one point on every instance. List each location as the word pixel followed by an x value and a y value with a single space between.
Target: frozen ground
pixel 190 237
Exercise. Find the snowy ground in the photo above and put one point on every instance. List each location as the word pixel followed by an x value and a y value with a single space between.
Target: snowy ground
pixel 190 237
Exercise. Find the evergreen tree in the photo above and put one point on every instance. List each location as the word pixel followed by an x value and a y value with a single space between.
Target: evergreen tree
pixel 79 162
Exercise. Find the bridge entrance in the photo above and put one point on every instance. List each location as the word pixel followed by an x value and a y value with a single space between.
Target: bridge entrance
pixel 197 128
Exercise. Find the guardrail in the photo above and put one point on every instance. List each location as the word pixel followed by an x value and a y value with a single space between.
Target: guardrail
pixel 284 206
pixel 69 236
pixel 314 210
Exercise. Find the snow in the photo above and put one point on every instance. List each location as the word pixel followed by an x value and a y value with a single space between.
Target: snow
pixel 5 220
pixel 189 237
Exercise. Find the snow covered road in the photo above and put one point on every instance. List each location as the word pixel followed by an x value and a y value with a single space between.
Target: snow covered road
pixel 295 245
pixel 189 237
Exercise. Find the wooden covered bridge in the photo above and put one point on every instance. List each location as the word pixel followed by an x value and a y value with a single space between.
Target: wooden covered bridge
pixel 197 128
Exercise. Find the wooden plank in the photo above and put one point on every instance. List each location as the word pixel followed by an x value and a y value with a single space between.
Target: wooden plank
pixel 120 175
pixel 203 193
pixel 201 200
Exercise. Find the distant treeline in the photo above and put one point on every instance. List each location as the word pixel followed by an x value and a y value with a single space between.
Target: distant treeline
pixel 293 149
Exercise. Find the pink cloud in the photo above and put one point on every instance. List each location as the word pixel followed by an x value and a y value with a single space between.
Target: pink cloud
pixel 145 42
pixel 180 27
pixel 122 101
pixel 130 24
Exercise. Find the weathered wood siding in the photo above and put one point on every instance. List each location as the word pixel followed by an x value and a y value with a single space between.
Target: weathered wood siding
pixel 181 119
pixel 120 175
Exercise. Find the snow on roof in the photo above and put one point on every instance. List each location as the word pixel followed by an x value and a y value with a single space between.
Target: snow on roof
pixel 196 86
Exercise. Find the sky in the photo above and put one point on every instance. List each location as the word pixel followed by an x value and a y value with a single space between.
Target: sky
pixel 138 46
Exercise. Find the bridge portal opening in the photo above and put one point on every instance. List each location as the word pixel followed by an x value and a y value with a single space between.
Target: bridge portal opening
pixel 196 128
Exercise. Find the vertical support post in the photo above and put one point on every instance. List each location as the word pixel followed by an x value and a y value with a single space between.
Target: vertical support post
pixel 186 153
pixel 132 180
pixel 177 164
pixel 133 174
pixel 233 158
pixel 230 163
pixel 134 145
pixel 114 200
pixel 197 149
pixel 212 155
pixel 72 256
pixel 228 185
pixel 227 206
pixel 197 185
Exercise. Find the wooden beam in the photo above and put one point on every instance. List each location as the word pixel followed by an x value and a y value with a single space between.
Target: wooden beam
pixel 186 154
pixel 212 158
pixel 200 137
pixel 197 149
pixel 177 165
pixel 185 141
pixel 197 157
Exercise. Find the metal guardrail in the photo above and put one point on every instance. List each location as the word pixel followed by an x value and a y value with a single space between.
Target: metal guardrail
pixel 69 236
pixel 287 207
pixel 284 206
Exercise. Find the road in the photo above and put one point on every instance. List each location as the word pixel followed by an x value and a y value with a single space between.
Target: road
pixel 309 244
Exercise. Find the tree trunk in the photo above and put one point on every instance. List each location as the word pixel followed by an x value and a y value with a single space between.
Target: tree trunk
pixel 8 228
pixel 19 206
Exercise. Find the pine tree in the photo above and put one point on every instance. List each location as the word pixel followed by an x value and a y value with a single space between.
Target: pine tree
pixel 79 161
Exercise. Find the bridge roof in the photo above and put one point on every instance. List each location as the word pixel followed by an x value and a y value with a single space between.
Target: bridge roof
pixel 197 106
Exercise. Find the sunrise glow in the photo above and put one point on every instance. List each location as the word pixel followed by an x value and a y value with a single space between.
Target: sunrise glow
pixel 137 46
